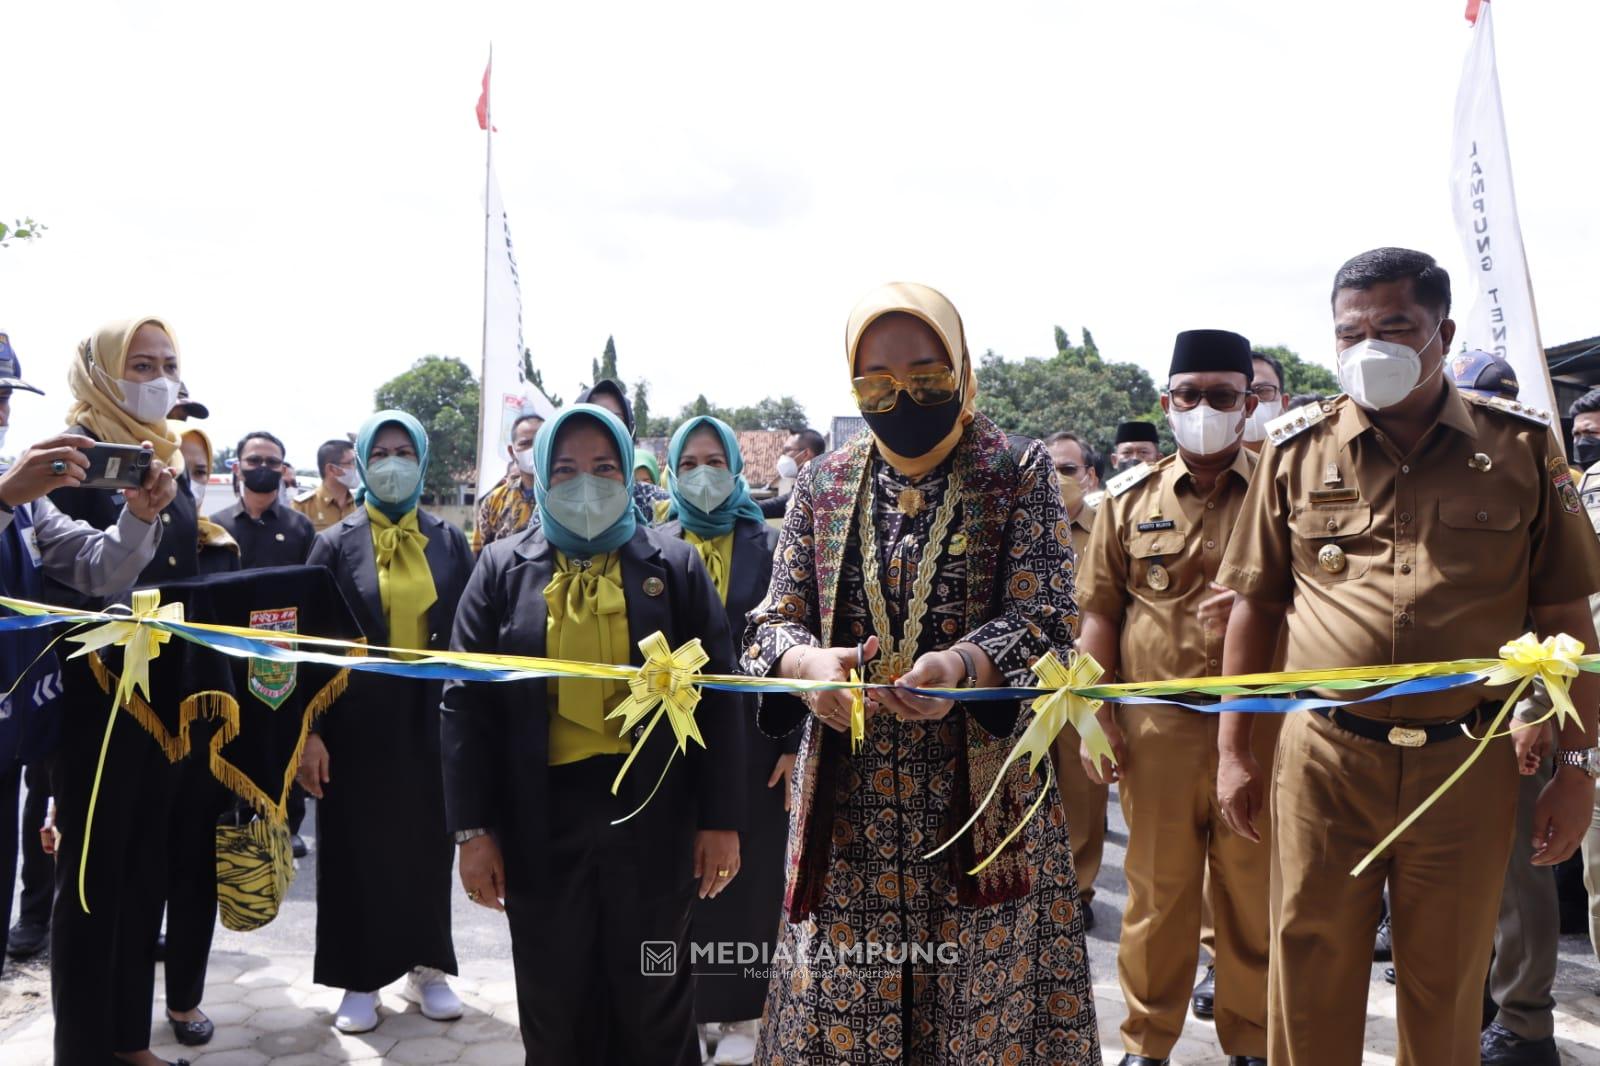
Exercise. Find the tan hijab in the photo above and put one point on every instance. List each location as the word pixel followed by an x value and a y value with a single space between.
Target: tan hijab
pixel 211 534
pixel 97 398
pixel 933 307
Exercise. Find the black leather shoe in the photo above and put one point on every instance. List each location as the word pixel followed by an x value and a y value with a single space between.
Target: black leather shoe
pixel 1143 1060
pixel 1383 947
pixel 27 939
pixel 192 1034
pixel 1389 975
pixel 1501 1047
pixel 297 845
pixel 1245 1060
pixel 1204 1000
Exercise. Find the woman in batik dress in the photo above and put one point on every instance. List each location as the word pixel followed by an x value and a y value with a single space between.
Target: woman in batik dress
pixel 935 553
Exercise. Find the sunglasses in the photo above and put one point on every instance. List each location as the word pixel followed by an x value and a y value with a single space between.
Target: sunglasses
pixel 1218 397
pixel 877 393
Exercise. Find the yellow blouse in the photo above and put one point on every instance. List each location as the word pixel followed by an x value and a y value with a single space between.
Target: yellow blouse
pixel 588 622
pixel 717 554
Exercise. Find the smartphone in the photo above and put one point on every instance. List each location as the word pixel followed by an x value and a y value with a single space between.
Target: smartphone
pixel 117 466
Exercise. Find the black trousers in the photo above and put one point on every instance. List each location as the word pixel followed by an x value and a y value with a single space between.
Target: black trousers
pixel 192 887
pixel 102 963
pixel 578 945
pixel 38 880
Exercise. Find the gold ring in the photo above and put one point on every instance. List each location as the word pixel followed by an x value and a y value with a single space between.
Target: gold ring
pixel 723 872
pixel 474 895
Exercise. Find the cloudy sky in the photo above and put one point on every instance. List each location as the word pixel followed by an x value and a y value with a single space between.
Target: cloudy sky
pixel 300 193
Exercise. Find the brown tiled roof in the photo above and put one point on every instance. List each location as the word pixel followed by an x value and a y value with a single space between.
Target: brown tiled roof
pixel 760 448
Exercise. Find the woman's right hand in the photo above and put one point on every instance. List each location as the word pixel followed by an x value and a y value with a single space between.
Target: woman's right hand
pixel 483 872
pixel 831 706
pixel 313 772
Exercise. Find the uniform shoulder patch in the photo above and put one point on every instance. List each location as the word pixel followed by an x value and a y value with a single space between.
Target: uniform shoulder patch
pixel 1511 407
pixel 1129 478
pixel 1291 424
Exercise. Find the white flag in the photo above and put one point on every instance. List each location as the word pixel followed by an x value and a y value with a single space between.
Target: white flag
pixel 507 393
pixel 1503 319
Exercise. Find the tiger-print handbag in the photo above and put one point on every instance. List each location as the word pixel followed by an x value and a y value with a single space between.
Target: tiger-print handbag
pixel 255 868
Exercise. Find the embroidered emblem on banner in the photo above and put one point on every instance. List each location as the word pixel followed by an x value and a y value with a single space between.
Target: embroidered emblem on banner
pixel 1561 480
pixel 272 682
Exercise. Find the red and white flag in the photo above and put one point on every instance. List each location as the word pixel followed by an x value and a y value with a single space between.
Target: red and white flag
pixel 1503 319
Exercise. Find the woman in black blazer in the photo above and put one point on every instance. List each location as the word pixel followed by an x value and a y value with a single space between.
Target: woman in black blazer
pixel 599 911
pixel 372 762
pixel 712 511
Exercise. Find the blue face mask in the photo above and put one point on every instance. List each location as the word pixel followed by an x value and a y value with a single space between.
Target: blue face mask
pixel 393 478
pixel 588 505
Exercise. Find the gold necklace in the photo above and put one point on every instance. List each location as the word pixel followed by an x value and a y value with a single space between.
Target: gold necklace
pixel 896 656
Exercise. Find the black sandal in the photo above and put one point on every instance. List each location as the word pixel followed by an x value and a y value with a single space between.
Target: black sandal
pixel 192 1034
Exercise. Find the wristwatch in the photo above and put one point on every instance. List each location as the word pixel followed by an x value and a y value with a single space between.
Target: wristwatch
pixel 971 680
pixel 464 835
pixel 1585 759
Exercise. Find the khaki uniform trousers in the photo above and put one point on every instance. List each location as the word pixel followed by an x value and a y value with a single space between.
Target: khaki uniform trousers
pixel 1175 837
pixel 1335 795
pixel 1085 806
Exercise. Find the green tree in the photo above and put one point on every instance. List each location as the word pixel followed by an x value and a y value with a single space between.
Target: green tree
pixel 644 424
pixel 1075 389
pixel 22 229
pixel 606 366
pixel 442 394
pixel 1300 376
pixel 536 379
pixel 220 461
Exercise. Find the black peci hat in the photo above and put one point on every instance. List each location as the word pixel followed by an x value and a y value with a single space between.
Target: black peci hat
pixel 1135 432
pixel 1201 351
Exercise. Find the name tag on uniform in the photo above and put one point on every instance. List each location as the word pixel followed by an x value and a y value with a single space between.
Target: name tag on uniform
pixel 1320 496
pixel 1157 525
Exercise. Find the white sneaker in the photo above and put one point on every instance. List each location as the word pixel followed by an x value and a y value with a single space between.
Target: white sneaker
pixel 738 1044
pixel 358 1013
pixel 429 988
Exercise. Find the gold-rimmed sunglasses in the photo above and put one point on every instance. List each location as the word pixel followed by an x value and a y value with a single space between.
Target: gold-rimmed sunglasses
pixel 877 393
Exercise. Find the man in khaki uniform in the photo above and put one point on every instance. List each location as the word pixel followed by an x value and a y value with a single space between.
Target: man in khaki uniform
pixel 1401 523
pixel 1084 800
pixel 334 499
pixel 1151 611
pixel 1585 414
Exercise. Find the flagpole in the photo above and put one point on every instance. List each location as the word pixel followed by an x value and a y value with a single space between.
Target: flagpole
pixel 488 177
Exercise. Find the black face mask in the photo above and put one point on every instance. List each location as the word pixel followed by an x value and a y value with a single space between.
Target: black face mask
pixel 911 430
pixel 1586 452
pixel 262 479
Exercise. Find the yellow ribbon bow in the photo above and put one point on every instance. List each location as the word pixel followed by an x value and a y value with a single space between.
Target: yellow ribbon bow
pixel 1554 661
pixel 665 685
pixel 141 642
pixel 1050 713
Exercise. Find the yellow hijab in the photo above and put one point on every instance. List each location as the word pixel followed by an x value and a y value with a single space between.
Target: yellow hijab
pixel 211 534
pixel 934 308
pixel 97 398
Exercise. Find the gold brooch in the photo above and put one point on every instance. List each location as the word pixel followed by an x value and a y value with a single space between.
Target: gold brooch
pixel 911 502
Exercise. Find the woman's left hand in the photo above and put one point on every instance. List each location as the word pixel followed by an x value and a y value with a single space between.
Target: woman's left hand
pixel 783 771
pixel 937 669
pixel 716 860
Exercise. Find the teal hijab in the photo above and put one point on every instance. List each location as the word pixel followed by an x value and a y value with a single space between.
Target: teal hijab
pixel 419 440
pixel 738 504
pixel 544 446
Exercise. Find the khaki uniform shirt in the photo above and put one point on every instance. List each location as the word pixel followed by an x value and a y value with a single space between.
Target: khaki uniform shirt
pixel 323 509
pixel 1155 549
pixel 1082 526
pixel 1429 557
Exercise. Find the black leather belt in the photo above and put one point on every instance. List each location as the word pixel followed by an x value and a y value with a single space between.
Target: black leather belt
pixel 1402 736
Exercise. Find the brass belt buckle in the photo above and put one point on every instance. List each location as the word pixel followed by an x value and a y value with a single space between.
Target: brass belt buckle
pixel 1401 737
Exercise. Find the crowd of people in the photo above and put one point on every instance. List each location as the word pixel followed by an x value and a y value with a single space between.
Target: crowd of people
pixel 1424 514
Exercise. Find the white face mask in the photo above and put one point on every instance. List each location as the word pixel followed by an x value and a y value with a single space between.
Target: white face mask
pixel 588 505
pixel 1255 427
pixel 394 478
pixel 1379 374
pixel 787 467
pixel 525 460
pixel 149 401
pixel 350 479
pixel 3 435
pixel 706 487
pixel 197 489
pixel 1203 430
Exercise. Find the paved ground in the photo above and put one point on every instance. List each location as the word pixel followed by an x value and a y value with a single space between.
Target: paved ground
pixel 268 1012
